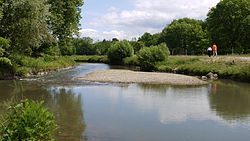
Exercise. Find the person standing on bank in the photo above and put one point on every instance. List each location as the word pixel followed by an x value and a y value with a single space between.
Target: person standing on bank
pixel 214 50
pixel 209 51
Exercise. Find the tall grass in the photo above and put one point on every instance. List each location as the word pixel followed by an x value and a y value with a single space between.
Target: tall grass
pixel 26 65
pixel 91 59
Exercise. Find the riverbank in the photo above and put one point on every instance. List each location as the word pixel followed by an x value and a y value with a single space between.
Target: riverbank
pixel 227 67
pixel 127 76
pixel 23 66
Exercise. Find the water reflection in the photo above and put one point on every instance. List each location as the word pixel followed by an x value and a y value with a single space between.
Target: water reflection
pixel 177 104
pixel 112 112
pixel 65 104
pixel 68 109
pixel 230 100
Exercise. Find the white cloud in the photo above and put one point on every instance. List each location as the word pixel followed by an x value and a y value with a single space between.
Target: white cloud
pixel 150 16
pixel 100 35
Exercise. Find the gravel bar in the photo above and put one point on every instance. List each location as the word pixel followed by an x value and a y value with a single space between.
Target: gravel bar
pixel 127 76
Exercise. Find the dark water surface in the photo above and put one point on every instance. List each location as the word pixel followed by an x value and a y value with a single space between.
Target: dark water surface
pixel 131 112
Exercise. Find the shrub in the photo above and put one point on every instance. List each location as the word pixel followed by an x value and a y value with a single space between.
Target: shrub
pixel 52 50
pixel 118 51
pixel 5 62
pixel 48 58
pixel 4 44
pixel 133 60
pixel 28 121
pixel 149 56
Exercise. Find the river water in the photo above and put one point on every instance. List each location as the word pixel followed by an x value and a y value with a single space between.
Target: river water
pixel 91 111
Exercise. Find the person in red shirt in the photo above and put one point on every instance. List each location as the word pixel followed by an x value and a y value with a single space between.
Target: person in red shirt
pixel 214 50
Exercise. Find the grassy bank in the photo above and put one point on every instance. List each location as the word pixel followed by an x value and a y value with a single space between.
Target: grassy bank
pixel 227 67
pixel 91 59
pixel 23 66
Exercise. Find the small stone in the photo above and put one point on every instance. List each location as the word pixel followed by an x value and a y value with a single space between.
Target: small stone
pixel 215 76
pixel 210 75
pixel 204 78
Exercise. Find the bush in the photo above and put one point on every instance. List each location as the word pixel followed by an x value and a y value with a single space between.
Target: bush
pixel 131 61
pixel 52 50
pixel 28 121
pixel 5 62
pixel 48 58
pixel 4 44
pixel 149 56
pixel 118 51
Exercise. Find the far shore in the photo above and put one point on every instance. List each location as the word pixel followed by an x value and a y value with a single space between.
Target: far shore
pixel 127 76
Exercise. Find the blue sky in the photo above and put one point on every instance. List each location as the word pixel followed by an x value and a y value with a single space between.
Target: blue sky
pixel 125 19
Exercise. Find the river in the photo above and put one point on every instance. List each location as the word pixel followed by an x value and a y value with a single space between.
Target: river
pixel 91 111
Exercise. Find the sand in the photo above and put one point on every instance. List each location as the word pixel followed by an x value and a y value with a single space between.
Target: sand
pixel 127 76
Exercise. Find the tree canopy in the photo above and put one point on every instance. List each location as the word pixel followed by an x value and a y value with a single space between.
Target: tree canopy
pixel 185 36
pixel 24 22
pixel 228 25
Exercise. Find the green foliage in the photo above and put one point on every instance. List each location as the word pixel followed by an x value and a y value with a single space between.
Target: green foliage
pixel 102 48
pixel 4 44
pixel 5 62
pixel 24 64
pixel 92 59
pixel 24 22
pixel 202 66
pixel 64 21
pixel 150 40
pixel 185 36
pixel 67 48
pixel 149 56
pixel 146 39
pixel 137 45
pixel 84 46
pixel 119 51
pixel 52 50
pixel 228 25
pixel 131 61
pixel 27 121
pixel 6 68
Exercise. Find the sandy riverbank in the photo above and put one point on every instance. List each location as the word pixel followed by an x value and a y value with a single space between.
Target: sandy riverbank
pixel 127 76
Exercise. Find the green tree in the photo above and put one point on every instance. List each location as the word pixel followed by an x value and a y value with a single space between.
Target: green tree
pixel 115 40
pixel 64 22
pixel 84 46
pixel 185 36
pixel 24 22
pixel 137 45
pixel 149 56
pixel 227 25
pixel 102 47
pixel 146 38
pixel 118 51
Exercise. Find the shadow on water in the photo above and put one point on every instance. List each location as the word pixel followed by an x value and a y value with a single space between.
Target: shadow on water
pixel 230 100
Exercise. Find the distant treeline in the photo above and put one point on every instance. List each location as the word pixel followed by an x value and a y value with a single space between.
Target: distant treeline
pixel 227 25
